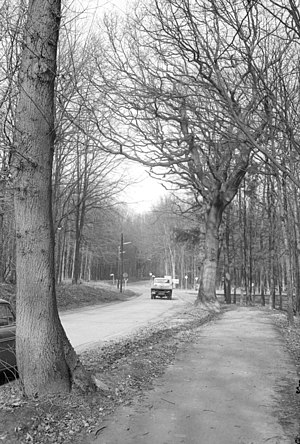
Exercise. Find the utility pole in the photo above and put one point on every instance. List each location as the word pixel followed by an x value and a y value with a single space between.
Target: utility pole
pixel 121 263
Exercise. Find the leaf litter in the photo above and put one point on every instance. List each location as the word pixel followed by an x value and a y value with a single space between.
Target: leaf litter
pixel 122 371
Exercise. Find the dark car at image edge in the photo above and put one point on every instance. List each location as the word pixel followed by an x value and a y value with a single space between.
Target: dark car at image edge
pixel 7 337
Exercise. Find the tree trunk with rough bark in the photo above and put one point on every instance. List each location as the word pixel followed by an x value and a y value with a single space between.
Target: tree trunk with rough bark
pixel 207 287
pixel 221 197
pixel 47 363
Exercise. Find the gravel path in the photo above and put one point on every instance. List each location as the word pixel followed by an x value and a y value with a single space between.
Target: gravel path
pixel 231 385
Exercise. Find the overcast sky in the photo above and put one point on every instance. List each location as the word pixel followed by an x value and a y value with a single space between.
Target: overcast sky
pixel 145 193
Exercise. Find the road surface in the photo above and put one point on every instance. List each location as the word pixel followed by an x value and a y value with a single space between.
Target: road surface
pixel 236 384
pixel 86 327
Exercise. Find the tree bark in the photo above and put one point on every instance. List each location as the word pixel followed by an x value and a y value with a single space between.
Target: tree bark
pixel 222 196
pixel 207 287
pixel 227 279
pixel 46 361
pixel 284 213
pixel 271 241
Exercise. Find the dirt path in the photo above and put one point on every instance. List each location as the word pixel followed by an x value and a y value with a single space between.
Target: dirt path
pixel 235 384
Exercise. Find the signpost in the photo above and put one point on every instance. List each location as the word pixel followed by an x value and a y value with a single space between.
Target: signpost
pixel 113 278
pixel 125 276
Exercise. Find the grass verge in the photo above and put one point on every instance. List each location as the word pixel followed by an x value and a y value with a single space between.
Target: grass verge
pixel 70 296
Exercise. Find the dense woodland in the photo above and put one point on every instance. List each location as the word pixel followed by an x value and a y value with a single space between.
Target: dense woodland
pixel 205 95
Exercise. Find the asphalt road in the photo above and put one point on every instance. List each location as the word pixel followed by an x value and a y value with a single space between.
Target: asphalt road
pixel 87 327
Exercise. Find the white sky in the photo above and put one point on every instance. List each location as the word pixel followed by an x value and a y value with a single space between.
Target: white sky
pixel 143 196
pixel 144 191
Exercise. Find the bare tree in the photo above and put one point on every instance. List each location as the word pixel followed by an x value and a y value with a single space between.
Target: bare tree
pixel 202 89
pixel 46 360
pixel 11 21
pixel 181 97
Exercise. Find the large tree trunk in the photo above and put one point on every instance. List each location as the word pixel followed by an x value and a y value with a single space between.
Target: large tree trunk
pixel 46 361
pixel 207 287
pixel 222 196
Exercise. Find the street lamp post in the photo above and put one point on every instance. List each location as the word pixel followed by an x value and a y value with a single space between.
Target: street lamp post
pixel 121 271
